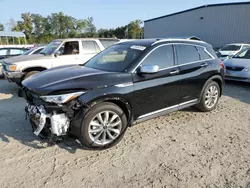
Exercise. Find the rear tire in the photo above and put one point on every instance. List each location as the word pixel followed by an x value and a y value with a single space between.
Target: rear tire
pixel 103 126
pixel 209 98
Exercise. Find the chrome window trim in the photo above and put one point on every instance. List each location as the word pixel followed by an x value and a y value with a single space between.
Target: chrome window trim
pixel 165 109
pixel 205 49
pixel 125 84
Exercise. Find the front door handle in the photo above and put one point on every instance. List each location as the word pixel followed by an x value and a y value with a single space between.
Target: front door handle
pixel 204 65
pixel 174 72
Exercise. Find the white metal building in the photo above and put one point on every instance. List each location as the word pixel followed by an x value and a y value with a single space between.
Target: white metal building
pixel 217 24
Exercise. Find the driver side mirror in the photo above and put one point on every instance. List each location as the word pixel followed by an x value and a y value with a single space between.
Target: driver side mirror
pixel 57 53
pixel 149 69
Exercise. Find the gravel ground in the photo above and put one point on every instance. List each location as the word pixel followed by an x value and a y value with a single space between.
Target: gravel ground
pixel 183 149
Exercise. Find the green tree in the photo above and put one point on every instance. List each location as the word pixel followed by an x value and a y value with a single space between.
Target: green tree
pixel 134 29
pixel 1 27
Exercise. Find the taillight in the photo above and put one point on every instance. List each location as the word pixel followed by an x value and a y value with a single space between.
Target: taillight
pixel 222 64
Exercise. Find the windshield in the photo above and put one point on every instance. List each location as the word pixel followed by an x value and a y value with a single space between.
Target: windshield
pixel 231 48
pixel 50 49
pixel 245 54
pixel 29 51
pixel 116 58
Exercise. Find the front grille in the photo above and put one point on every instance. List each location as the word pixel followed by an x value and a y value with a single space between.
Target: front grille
pixel 234 68
pixel 223 55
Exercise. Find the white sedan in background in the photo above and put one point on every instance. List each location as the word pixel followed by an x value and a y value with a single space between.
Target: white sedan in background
pixel 231 50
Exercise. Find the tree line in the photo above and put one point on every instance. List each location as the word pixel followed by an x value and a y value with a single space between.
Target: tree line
pixel 40 29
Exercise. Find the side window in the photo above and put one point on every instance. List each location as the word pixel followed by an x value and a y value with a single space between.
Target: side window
pixel 15 52
pixel 162 56
pixel 3 51
pixel 245 46
pixel 90 47
pixel 70 48
pixel 187 53
pixel 38 51
pixel 203 54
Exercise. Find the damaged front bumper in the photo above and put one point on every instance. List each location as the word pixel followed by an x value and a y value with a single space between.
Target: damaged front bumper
pixel 58 124
pixel 52 120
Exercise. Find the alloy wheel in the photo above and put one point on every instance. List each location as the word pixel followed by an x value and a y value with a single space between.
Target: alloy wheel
pixel 212 96
pixel 105 127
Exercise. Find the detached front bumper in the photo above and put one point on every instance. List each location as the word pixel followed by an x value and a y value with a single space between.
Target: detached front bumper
pixel 47 124
pixel 13 76
pixel 50 120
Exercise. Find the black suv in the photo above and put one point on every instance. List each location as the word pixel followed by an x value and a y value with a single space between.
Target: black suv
pixel 125 84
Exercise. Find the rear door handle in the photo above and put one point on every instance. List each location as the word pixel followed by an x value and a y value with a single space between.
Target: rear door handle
pixel 174 72
pixel 204 65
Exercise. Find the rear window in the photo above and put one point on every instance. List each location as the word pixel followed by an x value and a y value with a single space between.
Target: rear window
pixel 231 48
pixel 187 54
pixel 203 54
pixel 90 47
pixel 107 43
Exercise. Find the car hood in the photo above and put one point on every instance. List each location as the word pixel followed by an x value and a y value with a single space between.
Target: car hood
pixel 73 77
pixel 22 58
pixel 237 62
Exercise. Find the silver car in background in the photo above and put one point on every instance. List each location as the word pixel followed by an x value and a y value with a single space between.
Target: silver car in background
pixel 238 66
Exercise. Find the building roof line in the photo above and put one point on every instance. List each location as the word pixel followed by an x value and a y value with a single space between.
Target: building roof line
pixel 203 6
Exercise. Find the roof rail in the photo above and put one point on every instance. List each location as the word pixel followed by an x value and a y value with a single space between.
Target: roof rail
pixel 174 39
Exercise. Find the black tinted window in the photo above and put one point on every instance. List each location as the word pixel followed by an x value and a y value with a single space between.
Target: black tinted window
pixel 90 47
pixel 203 54
pixel 162 56
pixel 187 54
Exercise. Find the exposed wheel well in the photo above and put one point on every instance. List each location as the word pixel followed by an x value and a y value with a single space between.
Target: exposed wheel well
pixel 219 82
pixel 125 108
pixel 34 69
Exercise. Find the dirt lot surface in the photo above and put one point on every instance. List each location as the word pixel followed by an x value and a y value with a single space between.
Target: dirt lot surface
pixel 183 149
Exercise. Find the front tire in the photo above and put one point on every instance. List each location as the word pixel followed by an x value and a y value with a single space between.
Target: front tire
pixel 210 97
pixel 30 74
pixel 103 126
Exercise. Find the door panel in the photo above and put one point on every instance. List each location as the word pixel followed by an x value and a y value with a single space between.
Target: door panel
pixel 71 54
pixel 194 72
pixel 156 91
pixel 153 92
pixel 193 77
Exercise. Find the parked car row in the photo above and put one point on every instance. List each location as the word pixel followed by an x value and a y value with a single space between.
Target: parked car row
pixel 95 99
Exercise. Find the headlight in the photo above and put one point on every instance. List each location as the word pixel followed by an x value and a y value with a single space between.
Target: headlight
pixel 60 99
pixel 246 69
pixel 11 67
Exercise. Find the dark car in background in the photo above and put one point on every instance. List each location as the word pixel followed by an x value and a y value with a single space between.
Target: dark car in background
pixel 11 52
pixel 125 84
